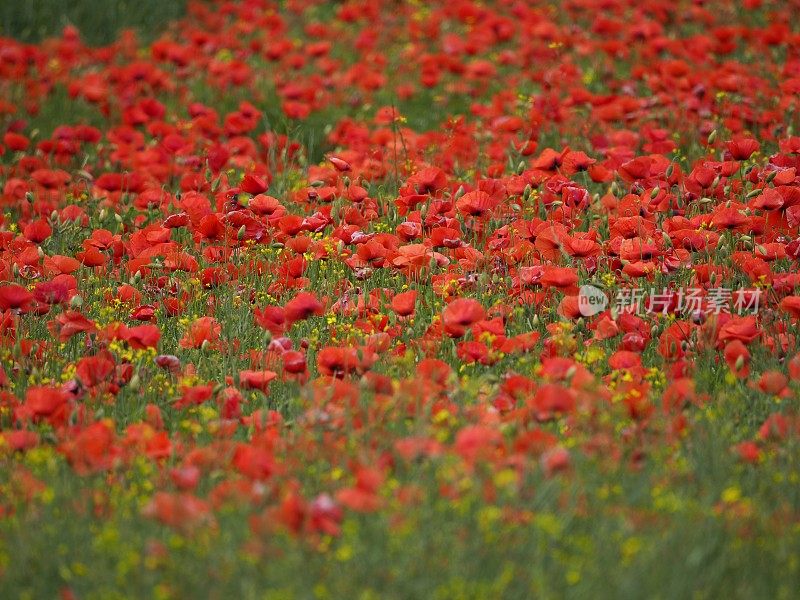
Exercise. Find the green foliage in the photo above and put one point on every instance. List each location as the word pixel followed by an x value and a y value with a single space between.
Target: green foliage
pixel 99 21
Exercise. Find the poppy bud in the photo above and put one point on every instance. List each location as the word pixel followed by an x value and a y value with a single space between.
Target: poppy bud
pixel 102 215
pixel 241 233
pixel 29 197
pixel 754 193
pixel 40 252
pixel 670 170
pixel 654 192
pixel 712 137
pixel 739 363
pixel 771 176
pixel 459 192
pixel 76 301
pixel 117 217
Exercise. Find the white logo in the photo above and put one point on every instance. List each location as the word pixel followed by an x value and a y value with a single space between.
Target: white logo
pixel 591 300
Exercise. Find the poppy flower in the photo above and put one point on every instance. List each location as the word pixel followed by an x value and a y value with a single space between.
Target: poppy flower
pixel 742 148
pixel 256 380
pixel 203 330
pixel 404 303
pixel 15 297
pixel 738 358
pixel 301 307
pixel 459 314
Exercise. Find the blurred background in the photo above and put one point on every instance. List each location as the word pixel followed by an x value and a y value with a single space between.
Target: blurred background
pixel 99 21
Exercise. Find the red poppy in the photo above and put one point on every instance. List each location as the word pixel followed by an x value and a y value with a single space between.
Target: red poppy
pixel 203 330
pixel 404 303
pixel 459 314
pixel 256 380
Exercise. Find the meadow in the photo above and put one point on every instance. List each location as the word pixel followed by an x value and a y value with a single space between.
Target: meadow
pixel 378 299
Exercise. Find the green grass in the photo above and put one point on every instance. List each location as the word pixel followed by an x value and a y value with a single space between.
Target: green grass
pixel 99 21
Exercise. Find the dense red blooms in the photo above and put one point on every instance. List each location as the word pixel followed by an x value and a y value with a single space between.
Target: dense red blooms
pixel 506 268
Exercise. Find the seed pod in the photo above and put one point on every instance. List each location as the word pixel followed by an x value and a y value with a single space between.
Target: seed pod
pixel 527 192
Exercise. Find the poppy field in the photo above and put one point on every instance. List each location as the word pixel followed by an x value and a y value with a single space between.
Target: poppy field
pixel 399 299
